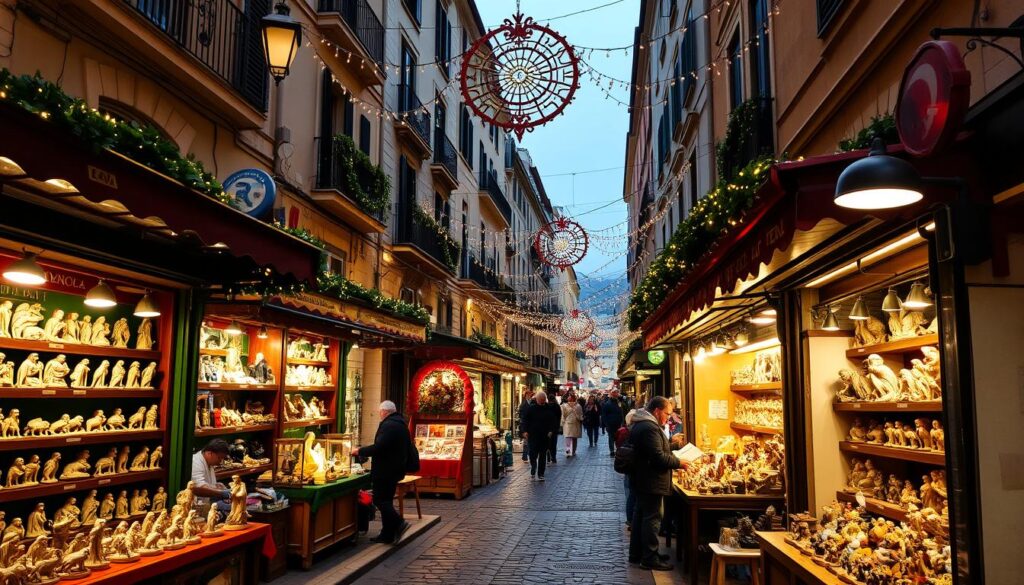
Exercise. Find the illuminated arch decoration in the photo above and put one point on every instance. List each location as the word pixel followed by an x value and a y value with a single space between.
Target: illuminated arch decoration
pixel 576 326
pixel 441 387
pixel 520 75
pixel 561 243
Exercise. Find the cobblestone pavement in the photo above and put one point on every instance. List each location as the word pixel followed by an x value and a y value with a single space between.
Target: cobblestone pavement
pixel 569 529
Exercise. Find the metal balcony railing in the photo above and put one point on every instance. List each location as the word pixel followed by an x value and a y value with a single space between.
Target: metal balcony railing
pixel 225 39
pixel 489 184
pixel 413 113
pixel 410 231
pixel 445 153
pixel 476 271
pixel 363 22
pixel 332 173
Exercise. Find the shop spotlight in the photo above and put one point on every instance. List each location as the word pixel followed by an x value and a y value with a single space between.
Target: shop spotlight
pixel 234 328
pixel 917 299
pixel 716 347
pixel 262 333
pixel 765 317
pixel 687 357
pixel 831 323
pixel 878 181
pixel 859 312
pixel 742 338
pixel 26 271
pixel 100 296
pixel 891 303
pixel 146 307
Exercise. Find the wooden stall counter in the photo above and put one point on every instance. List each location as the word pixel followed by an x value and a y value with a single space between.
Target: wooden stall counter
pixel 234 553
pixel 781 564
pixel 322 515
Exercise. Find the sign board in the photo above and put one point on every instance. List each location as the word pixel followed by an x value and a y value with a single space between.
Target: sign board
pixel 649 372
pixel 252 190
pixel 934 96
pixel 656 356
pixel 352 313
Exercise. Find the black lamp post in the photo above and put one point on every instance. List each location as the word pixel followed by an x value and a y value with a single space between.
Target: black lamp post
pixel 282 36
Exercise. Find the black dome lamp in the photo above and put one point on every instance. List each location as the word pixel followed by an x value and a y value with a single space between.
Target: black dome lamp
pixel 878 181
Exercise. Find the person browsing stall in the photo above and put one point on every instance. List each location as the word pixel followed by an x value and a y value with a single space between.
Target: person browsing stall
pixel 390 452
pixel 204 472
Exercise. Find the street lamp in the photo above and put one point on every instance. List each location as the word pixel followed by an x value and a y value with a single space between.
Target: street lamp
pixel 878 181
pixel 281 38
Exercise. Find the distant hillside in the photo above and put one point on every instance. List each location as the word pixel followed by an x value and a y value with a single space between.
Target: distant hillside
pixel 594 291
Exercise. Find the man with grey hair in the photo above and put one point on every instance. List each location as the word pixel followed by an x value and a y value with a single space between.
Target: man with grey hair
pixel 539 423
pixel 391 451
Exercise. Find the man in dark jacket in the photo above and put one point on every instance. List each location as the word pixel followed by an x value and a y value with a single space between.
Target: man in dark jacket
pixel 653 463
pixel 537 425
pixel 612 416
pixel 523 407
pixel 390 453
pixel 555 413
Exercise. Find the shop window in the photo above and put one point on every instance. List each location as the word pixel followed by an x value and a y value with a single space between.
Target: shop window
pixel 336 263
pixel 407 294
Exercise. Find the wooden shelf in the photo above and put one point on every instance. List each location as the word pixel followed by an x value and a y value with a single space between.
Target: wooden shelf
pixel 906 345
pixel 78 393
pixel 755 429
pixel 218 352
pixel 78 349
pixel 310 389
pixel 243 471
pixel 305 362
pixel 235 430
pixel 232 387
pixel 767 387
pixel 48 489
pixel 876 506
pixel 298 424
pixel 931 406
pixel 937 458
pixel 52 441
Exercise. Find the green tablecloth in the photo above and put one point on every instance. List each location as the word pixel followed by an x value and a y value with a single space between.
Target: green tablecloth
pixel 318 495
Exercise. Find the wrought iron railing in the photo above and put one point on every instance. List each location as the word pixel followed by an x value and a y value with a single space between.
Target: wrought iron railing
pixel 332 172
pixel 218 34
pixel 413 113
pixel 445 153
pixel 424 236
pixel 475 270
pixel 489 183
pixel 363 22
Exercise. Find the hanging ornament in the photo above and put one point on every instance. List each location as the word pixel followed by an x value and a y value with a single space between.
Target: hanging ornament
pixel 520 75
pixel 576 326
pixel 561 243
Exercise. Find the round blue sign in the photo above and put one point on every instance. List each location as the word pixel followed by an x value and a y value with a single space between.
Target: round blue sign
pixel 253 191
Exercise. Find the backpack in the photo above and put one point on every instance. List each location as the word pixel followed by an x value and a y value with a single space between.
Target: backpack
pixel 412 458
pixel 624 458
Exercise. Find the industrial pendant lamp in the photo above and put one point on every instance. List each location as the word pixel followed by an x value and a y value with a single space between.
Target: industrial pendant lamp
pixel 262 333
pixel 146 308
pixel 859 312
pixel 26 271
pixel 891 303
pixel 234 328
pixel 878 181
pixel 831 323
pixel 100 296
pixel 917 299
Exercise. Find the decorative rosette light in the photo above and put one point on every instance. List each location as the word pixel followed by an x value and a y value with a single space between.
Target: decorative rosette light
pixel 520 75
pixel 561 243
pixel 576 326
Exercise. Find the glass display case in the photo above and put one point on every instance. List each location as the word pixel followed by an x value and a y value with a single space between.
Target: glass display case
pixel 338 462
pixel 299 462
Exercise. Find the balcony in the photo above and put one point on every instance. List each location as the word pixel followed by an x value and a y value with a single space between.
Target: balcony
pixel 348 185
pixel 414 127
pixel 495 198
pixel 445 167
pixel 352 25
pixel 421 242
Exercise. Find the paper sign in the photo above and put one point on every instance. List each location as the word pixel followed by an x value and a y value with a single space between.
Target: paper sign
pixel 718 409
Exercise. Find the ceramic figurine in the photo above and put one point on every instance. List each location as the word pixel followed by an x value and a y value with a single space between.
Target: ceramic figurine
pixel 939 489
pixel 190 528
pixel 6 308
pixel 122 459
pixel 37 427
pixel 32 471
pixel 911 438
pixel 858 433
pixel 67 424
pixel 99 377
pixel 90 506
pixel 119 546
pixel 892 490
pixel 899 435
pixel 151 418
pixel 137 420
pixel 54 328
pixel 79 468
pixel 85 330
pixel 16 473
pixel 117 375
pixel 132 379
pixel 101 332
pixel 144 339
pixel 11 426
pixel 68 511
pixel 71 328
pixel 116 421
pixel 909 495
pixel 14 531
pixel 938 436
pixel 30 372
pixel 72 566
pixel 903 324
pixel 881 377
pixel 121 333
pixel 80 376
pixel 107 507
pixel 25 322
pixel 151 542
pixel 869 331
pixel 55 372
pixel 50 468
pixel 37 522
pixel 852 387
pixel 105 465
pixel 212 528
pixel 147 376
pixel 96 422
pixel 186 497
pixel 155 457
pixel 141 504
pixel 97 559
pixel 159 499
pixel 923 434
pixel 6 372
pixel 121 507
pixel 237 517
pixel 923 375
pixel 932 363
pixel 139 461
pixel 172 534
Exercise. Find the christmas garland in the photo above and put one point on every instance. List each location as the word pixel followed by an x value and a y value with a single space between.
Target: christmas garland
pixel 883 126
pixel 738 134
pixel 141 143
pixel 492 343
pixel 626 351
pixel 342 288
pixel 450 249
pixel 718 211
pixel 301 233
pixel 363 181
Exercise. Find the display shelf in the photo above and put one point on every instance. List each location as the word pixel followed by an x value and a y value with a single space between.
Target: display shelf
pixel 306 362
pixel 78 349
pixel 78 393
pixel 756 388
pixel 20 443
pixel 916 455
pixel 210 432
pixel 233 387
pixel 298 424
pixel 48 489
pixel 932 406
pixel 905 345
pixel 218 352
pixel 244 471
pixel 876 506
pixel 331 388
pixel 755 429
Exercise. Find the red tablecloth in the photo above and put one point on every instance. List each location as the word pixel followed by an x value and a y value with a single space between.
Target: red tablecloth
pixel 151 567
pixel 448 468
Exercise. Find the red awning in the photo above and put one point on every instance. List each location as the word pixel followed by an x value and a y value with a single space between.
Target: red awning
pixel 125 192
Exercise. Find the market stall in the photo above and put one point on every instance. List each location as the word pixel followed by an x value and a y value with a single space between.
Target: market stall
pixel 441 422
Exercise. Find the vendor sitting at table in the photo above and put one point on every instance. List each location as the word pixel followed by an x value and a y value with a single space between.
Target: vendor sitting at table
pixel 204 475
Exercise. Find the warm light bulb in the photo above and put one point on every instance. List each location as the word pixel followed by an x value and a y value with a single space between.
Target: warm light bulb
pixel 100 296
pixel 25 271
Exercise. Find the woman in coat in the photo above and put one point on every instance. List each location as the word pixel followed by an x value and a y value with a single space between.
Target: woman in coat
pixel 592 420
pixel 572 424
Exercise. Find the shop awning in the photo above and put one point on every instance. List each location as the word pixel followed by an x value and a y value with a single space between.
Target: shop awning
pixel 51 179
pixel 450 347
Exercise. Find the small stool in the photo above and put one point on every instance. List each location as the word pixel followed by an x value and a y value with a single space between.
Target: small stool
pixel 722 556
pixel 408 482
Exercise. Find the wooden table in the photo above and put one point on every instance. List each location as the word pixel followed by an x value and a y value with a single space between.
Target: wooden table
pixel 322 515
pixel 781 564
pixel 691 504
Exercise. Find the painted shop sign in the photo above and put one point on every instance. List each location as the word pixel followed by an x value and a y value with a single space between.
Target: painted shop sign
pixel 353 314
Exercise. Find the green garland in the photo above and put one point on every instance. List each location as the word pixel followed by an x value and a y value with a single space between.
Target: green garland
pixel 361 180
pixel 301 233
pixel 141 143
pixel 739 131
pixel 626 351
pixel 450 249
pixel 717 212
pixel 492 343
pixel 342 288
pixel 883 126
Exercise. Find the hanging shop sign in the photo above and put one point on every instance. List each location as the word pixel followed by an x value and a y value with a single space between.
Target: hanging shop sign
pixel 351 313
pixel 934 96
pixel 656 356
pixel 649 372
pixel 253 191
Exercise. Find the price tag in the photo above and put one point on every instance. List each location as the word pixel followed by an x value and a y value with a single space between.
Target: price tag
pixel 243 385
pixel 70 440
pixel 49 392
pixel 55 345
pixel 79 392
pixel 902 405
pixel 239 429
pixel 103 482
pixel 214 385
pixel 856 405
pixel 70 487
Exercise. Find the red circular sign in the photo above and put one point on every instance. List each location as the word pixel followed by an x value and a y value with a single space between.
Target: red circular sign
pixel 934 96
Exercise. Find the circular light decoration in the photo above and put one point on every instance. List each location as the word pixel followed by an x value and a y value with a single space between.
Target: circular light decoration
pixel 576 326
pixel 596 370
pixel 520 75
pixel 561 243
